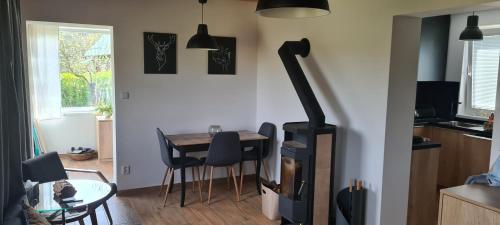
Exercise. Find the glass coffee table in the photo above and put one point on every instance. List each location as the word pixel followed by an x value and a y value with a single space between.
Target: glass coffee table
pixel 89 195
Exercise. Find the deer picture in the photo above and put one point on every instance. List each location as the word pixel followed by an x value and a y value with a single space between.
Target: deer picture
pixel 222 57
pixel 161 49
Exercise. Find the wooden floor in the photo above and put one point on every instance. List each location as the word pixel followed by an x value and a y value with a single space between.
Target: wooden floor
pixel 145 207
pixel 106 167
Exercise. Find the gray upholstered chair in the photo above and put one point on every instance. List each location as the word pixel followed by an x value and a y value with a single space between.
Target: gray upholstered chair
pixel 268 130
pixel 174 163
pixel 224 151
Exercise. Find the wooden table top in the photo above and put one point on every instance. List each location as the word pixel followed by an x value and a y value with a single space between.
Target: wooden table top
pixel 204 138
pixel 483 195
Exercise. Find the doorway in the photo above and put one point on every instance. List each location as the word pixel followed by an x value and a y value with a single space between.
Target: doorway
pixel 71 74
pixel 463 141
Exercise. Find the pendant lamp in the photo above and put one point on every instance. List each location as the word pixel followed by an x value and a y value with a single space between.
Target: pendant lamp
pixel 292 8
pixel 202 40
pixel 472 31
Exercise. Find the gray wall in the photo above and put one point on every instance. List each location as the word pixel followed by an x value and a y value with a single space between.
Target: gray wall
pixel 187 102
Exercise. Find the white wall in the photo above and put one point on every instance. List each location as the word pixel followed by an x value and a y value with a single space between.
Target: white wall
pixel 72 130
pixel 187 102
pixel 348 69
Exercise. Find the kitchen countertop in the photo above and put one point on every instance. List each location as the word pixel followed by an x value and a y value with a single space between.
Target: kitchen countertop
pixel 477 131
pixel 425 145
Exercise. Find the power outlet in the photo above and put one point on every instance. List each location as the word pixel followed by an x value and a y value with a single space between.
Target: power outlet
pixel 126 170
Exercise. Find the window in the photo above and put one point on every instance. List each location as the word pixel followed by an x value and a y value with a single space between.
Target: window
pixel 85 68
pixel 70 68
pixel 479 85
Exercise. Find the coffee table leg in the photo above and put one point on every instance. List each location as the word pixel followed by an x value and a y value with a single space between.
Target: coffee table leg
pixel 63 217
pixel 108 213
pixel 93 218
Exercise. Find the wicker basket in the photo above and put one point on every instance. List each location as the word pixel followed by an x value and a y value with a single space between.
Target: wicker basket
pixel 83 156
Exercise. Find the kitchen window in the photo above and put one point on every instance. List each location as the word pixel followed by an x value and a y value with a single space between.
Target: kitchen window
pixel 481 68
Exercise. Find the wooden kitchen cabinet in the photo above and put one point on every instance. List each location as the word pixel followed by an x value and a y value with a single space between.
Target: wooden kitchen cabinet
pixel 474 157
pixel 462 155
pixel 469 205
pixel 104 139
pixel 423 198
pixel 449 156
pixel 422 131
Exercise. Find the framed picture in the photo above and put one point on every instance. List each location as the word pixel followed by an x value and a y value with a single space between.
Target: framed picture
pixel 223 61
pixel 160 53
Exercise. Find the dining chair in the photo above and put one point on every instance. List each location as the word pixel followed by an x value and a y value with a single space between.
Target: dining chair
pixel 48 168
pixel 174 163
pixel 268 130
pixel 224 151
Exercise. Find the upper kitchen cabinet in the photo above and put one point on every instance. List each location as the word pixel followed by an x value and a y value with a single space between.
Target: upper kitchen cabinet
pixel 433 48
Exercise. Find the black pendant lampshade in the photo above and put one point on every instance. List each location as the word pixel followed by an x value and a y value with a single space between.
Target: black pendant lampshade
pixel 292 8
pixel 472 31
pixel 202 40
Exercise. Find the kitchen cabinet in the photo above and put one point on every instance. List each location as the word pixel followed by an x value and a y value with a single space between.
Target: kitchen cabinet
pixel 449 157
pixel 474 156
pixel 422 131
pixel 462 155
pixel 423 198
pixel 469 205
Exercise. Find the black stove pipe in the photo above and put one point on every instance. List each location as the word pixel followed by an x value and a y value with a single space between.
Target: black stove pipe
pixel 309 102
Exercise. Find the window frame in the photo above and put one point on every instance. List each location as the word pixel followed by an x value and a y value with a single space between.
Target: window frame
pixel 465 109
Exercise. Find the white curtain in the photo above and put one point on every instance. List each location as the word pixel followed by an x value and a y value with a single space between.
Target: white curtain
pixel 43 59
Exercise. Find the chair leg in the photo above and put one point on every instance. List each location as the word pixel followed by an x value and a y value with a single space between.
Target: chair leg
pixel 192 177
pixel 210 185
pixel 242 175
pixel 228 178
pixel 108 214
pixel 236 189
pixel 203 178
pixel 170 176
pixel 163 182
pixel 199 183
pixel 80 221
pixel 266 170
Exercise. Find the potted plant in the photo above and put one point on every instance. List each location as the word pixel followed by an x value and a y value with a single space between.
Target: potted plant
pixel 104 109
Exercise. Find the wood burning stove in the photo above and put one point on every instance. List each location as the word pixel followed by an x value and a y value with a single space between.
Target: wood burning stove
pixel 308 152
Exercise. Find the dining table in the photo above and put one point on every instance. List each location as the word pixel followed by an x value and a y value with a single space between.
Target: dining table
pixel 200 142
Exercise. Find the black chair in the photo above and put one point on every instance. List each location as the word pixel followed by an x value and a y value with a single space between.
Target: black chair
pixel 268 130
pixel 48 167
pixel 224 151
pixel 175 163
